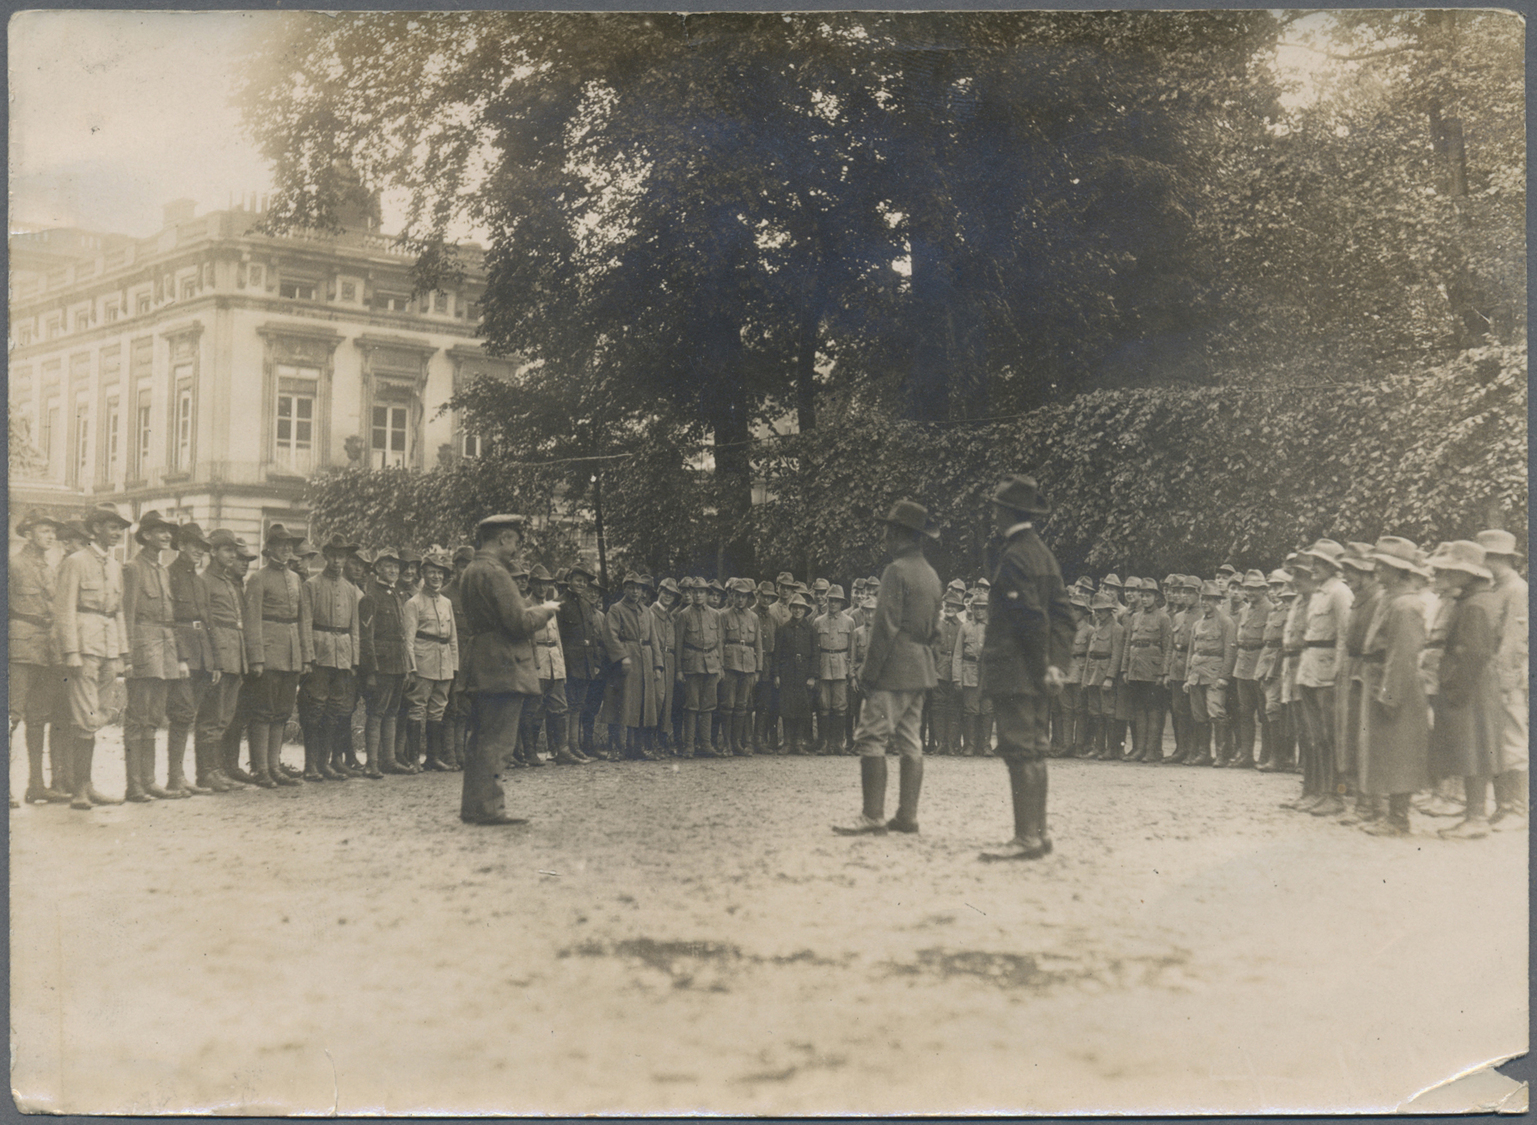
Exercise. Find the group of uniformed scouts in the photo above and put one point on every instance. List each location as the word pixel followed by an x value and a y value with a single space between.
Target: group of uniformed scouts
pixel 1373 669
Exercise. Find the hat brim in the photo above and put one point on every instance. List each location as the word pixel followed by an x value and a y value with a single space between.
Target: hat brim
pixel 1466 568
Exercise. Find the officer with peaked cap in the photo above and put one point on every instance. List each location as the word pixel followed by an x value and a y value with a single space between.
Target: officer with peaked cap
pixel 1025 654
pixel 1511 770
pixel 36 679
pixel 500 658
pixel 897 672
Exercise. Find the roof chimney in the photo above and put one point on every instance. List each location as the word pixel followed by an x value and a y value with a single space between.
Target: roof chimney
pixel 180 211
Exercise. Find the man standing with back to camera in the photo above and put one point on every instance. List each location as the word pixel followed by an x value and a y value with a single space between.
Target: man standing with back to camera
pixel 1028 643
pixel 502 676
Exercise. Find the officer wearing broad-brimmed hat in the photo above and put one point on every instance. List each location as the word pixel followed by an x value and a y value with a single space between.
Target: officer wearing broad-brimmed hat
pixel 1276 741
pixel 224 607
pixel 1319 667
pixel 274 635
pixel 328 693
pixel 897 671
pixel 499 655
pixel 1025 654
pixel 581 641
pixel 184 696
pixel 36 678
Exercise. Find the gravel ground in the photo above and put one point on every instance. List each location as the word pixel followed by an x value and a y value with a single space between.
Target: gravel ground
pixel 687 937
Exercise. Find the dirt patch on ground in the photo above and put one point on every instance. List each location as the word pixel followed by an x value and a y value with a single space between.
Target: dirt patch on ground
pixel 685 937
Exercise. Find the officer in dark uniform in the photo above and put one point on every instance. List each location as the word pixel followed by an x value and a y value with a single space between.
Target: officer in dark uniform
pixel 499 656
pixel 1027 646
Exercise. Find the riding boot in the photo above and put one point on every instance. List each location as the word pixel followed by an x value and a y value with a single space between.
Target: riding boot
pixel 328 754
pixel 1200 740
pixel 275 757
pixel 61 760
pixel 1266 760
pixel 1474 825
pixel 1220 743
pixel 80 771
pixel 872 784
pixel 176 776
pixel 744 733
pixel 133 770
pixel 36 790
pixel 311 750
pixel 372 736
pixel 1510 801
pixel 416 730
pixel 1133 753
pixel 386 736
pixel 1027 792
pixel 261 774
pixel 910 782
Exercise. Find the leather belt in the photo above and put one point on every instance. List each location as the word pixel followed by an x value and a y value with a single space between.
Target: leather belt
pixel 1435 644
pixel 1251 646
pixel 189 624
pixel 1143 644
pixel 1320 644
pixel 431 637
pixel 1291 652
pixel 1099 656
pixel 831 651
pixel 332 628
pixel 698 648
pixel 281 620
pixel 95 612
pixel 541 644
pixel 34 619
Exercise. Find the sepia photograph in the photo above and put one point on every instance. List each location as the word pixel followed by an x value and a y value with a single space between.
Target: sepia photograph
pixel 464 466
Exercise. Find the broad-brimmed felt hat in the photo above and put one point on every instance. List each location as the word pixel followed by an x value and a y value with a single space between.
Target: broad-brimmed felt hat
pixel 278 533
pixel 647 581
pixel 956 584
pixel 1399 553
pixel 339 542
pixel 798 601
pixel 670 586
pixel 785 579
pixel 1103 600
pixel 715 584
pixel 1110 580
pixel 1358 556
pixel 222 538
pixel 1461 554
pixel 835 594
pixel 1077 598
pixel 1225 570
pixel 1278 577
pixel 189 533
pixel 386 554
pixel 1326 550
pixel 634 578
pixel 1496 542
pixel 540 574
pixel 1255 580
pixel 74 529
pixel 440 561
pixel 153 521
pixel 465 553
pixel 34 518
pixel 767 589
pixel 518 568
pixel 410 555
pixel 954 597
pixel 821 585
pixel 1021 494
pixel 579 567
pixel 911 515
pixel 105 513
pixel 1212 590
pixel 244 550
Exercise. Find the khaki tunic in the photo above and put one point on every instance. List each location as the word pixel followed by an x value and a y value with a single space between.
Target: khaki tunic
pixel 698 637
pixel 1251 640
pixel 30 586
pixel 835 642
pixel 966 660
pixel 226 621
pixel 1213 649
pixel 274 625
pixel 1148 640
pixel 151 618
pixel 432 647
pixel 334 624
pixel 741 641
pixel 1323 638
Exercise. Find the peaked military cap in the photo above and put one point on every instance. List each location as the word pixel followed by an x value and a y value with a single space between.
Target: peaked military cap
pixel 497 522
pixel 243 549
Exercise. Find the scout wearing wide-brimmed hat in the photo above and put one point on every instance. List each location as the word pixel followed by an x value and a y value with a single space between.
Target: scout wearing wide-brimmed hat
pixel 185 696
pixel 1501 554
pixel 1247 697
pixel 697 633
pixel 833 630
pixel 1359 572
pixel 1318 668
pixel 275 652
pixel 1075 716
pixel 1276 740
pixel 153 657
pixel 433 651
pixel 328 692
pixel 945 702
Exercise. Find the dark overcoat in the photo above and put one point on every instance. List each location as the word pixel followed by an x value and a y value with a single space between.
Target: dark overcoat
pixel 630 697
pixel 1395 715
pixel 795 663
pixel 499 656
pixel 1469 711
pixel 1029 619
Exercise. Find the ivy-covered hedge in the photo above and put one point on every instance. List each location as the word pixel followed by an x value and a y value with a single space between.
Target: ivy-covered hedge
pixel 1142 481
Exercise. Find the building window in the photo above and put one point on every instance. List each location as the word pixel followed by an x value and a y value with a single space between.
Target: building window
pixel 440 301
pixel 469 444
pixel 393 302
pixel 184 428
pixel 111 434
pixel 142 466
pixel 297 290
pixel 256 276
pixel 54 327
pixel 24 335
pixel 141 304
pixel 82 321
pixel 110 312
pixel 52 443
pixel 295 433
pixel 349 291
pixel 82 444
pixel 189 289
pixel 389 446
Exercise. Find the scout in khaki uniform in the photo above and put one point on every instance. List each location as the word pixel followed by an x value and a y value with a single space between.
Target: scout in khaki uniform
pixel 275 624
pixel 154 662
pixel 1510 779
pixel 741 661
pixel 328 693
pixel 945 701
pixel 428 620
pixel 92 639
pixel 1360 575
pixel 1291 656
pixel 37 681
pixel 500 657
pixel 1319 666
pixel 581 640
pixel 765 697
pixel 1069 730
pixel 184 696
pixel 1275 744
pixel 834 632
pixel 1106 650
pixel 457 717
pixel 896 673
pixel 966 672
pixel 1025 656
pixel 1149 636
pixel 552 711
pixel 1182 615
pixel 1394 729
pixel 1213 653
pixel 223 601
pixel 1251 644
pixel 383 664
pixel 698 639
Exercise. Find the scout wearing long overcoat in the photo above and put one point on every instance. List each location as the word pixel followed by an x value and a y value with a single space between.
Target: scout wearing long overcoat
pixel 1469 717
pixel 795 663
pixel 151 618
pixel 666 638
pixel 1395 717
pixel 631 696
pixel 275 620
pixel 31 583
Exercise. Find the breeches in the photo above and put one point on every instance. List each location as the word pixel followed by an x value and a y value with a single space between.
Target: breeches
pixel 384 698
pixel 36 691
pixel 272 696
pixel 86 685
pixel 146 707
pixel 427 699
pixel 217 709
pixel 184 697
pixel 736 690
pixel 330 692
pixel 833 695
pixel 890 717
pixel 1208 703
pixel 700 690
pixel 1023 731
